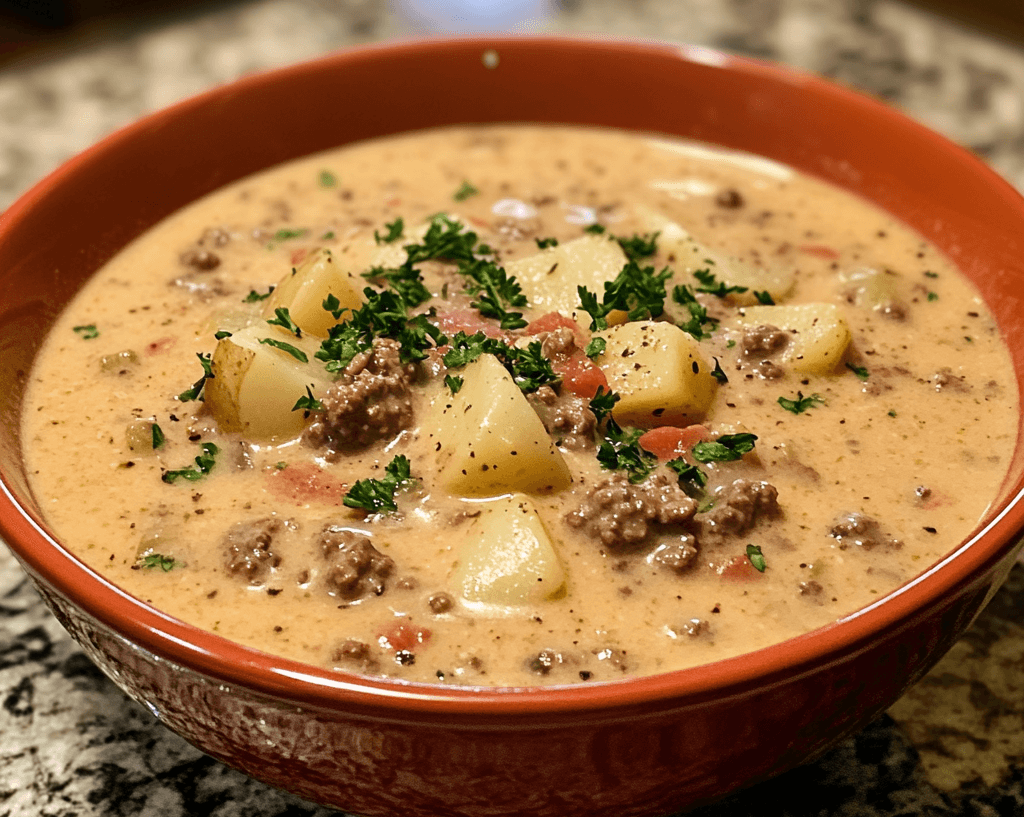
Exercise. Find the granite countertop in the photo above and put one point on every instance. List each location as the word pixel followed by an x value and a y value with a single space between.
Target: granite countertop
pixel 73 744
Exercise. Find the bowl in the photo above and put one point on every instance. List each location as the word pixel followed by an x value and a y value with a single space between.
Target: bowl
pixel 639 746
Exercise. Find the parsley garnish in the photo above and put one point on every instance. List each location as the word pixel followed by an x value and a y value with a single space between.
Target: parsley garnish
pixel 196 392
pixel 165 563
pixel 801 404
pixel 284 320
pixel 620 451
pixel 726 448
pixel 930 274
pixel 764 297
pixel 637 290
pixel 529 368
pixel 308 402
pixel 933 296
pixel 285 234
pixel 327 179
pixel 495 291
pixel 394 232
pixel 603 402
pixel 691 478
pixel 684 296
pixel 544 243
pixel 756 558
pixel 718 373
pixel 87 331
pixel 453 382
pixel 333 305
pixel 295 352
pixel 712 286
pixel 158 436
pixel 378 495
pixel 404 280
pixel 465 191
pixel 596 229
pixel 254 296
pixel 595 348
pixel 860 371
pixel 637 246
pixel 203 465
pixel 220 334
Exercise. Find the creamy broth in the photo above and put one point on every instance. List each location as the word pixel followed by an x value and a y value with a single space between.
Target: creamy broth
pixel 882 461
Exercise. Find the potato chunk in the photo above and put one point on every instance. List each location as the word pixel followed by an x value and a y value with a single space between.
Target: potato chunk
pixel 489 439
pixel 690 255
pixel 255 386
pixel 305 288
pixel 506 558
pixel 549 278
pixel 820 337
pixel 658 371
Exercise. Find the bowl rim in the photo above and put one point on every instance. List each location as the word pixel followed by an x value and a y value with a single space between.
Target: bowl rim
pixel 228 662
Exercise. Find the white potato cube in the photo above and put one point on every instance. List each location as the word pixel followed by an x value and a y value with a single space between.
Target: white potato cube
pixel 305 288
pixel 549 278
pixel 255 386
pixel 658 371
pixel 488 438
pixel 820 333
pixel 506 558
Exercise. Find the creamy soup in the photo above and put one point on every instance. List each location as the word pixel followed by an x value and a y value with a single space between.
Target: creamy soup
pixel 520 405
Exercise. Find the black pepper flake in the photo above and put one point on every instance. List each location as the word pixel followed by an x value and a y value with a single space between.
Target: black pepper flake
pixel 405 658
pixel 273 591
pixel 930 529
pixel 585 675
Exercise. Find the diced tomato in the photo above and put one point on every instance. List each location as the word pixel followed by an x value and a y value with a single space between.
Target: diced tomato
pixel 739 569
pixel 819 251
pixel 298 256
pixel 669 442
pixel 580 375
pixel 469 321
pixel 556 320
pixel 479 222
pixel 307 482
pixel 160 345
pixel 402 635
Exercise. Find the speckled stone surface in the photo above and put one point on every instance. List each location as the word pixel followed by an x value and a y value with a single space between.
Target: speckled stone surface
pixel 72 744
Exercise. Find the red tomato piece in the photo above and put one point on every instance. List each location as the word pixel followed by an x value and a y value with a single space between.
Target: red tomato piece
pixel 307 482
pixel 469 321
pixel 739 569
pixel 297 256
pixel 669 442
pixel 581 376
pixel 402 635
pixel 556 320
pixel 819 251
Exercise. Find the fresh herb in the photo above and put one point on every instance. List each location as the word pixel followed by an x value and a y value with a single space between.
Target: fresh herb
pixel 203 465
pixel 294 351
pixel 465 191
pixel 453 382
pixel 639 291
pixel 378 495
pixel 220 334
pixel 284 320
pixel 165 563
pixel 718 373
pixel 933 296
pixel 327 179
pixel 445 240
pixel 860 371
pixel 639 246
pixel 699 318
pixel 603 402
pixel 764 297
pixel 595 348
pixel 464 349
pixel 495 292
pixel 691 478
pixel 254 296
pixel 930 274
pixel 158 436
pixel 620 451
pixel 196 391
pixel 285 234
pixel 333 305
pixel 726 448
pixel 404 280
pixel 394 232
pixel 892 412
pixel 308 402
pixel 756 558
pixel 712 286
pixel 87 331
pixel 594 229
pixel 529 368
pixel 327 236
pixel 544 243
pixel 801 404
pixel 730 344
pixel 280 465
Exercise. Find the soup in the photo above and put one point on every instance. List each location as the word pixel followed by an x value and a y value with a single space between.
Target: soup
pixel 520 405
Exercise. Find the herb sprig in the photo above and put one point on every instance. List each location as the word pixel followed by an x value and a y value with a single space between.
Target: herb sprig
pixel 378 495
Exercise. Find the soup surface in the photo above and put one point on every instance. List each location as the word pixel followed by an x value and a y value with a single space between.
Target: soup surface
pixel 413 446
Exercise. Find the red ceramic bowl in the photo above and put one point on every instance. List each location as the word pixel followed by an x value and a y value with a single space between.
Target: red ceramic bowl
pixel 641 746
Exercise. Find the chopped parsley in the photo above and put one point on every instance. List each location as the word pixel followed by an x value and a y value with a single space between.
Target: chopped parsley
pixel 255 296
pixel 203 465
pixel 933 296
pixel 378 495
pixel 152 560
pixel 691 478
pixel 495 292
pixel 465 191
pixel 220 334
pixel 327 179
pixel 860 371
pixel 594 229
pixel 87 331
pixel 756 558
pixel 712 286
pixel 620 451
pixel 801 404
pixel 544 243
pixel 158 436
pixel 196 391
pixel 394 232
pixel 529 368
pixel 930 274
pixel 639 291
pixel 699 325
pixel 764 297
pixel 453 382
pixel 726 448
pixel 892 412
pixel 603 402
pixel 284 320
pixel 595 348
pixel 285 234
pixel 294 351
pixel 406 281
pixel 718 373
pixel 639 246
pixel 308 402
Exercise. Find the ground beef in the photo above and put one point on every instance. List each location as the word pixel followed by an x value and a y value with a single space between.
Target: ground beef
pixel 440 603
pixel 356 655
pixel 355 568
pixel 729 199
pixel 861 531
pixel 201 284
pixel 566 417
pixel 944 379
pixel 248 550
pixel 370 401
pixel 759 345
pixel 558 342
pixel 621 515
pixel 694 628
pixel 737 507
pixel 676 556
pixel 200 260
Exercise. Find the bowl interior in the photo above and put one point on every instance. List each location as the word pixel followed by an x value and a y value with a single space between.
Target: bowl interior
pixel 71 223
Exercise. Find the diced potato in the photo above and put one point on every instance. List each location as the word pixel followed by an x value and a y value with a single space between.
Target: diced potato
pixel 658 371
pixel 305 288
pixel 549 278
pixel 255 386
pixel 820 337
pixel 690 255
pixel 488 438
pixel 871 287
pixel 506 558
